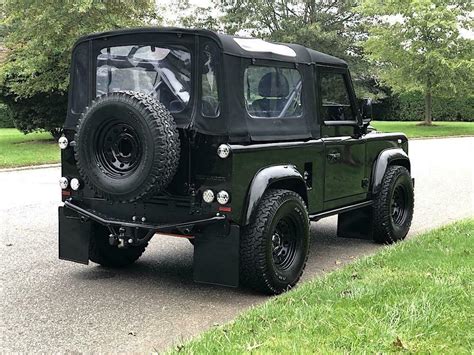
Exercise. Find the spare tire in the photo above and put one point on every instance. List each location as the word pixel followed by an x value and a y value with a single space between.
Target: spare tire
pixel 127 146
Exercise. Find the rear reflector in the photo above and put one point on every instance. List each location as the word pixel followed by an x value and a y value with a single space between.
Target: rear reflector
pixel 66 193
pixel 225 209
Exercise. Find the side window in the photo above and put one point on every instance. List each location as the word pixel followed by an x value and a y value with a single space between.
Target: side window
pixel 336 103
pixel 210 106
pixel 272 92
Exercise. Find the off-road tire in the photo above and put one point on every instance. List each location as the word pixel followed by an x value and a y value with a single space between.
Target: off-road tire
pixel 257 265
pixel 147 132
pixel 101 252
pixel 388 226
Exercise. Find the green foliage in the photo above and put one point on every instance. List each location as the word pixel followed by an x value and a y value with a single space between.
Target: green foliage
pixel 410 106
pixel 418 46
pixel 39 36
pixel 6 118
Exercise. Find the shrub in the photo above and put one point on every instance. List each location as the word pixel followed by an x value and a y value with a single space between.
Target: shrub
pixel 410 107
pixel 6 118
pixel 40 112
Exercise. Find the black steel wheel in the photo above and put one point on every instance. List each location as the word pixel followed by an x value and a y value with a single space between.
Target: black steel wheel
pixel 127 146
pixel 118 148
pixel 274 246
pixel 393 206
pixel 101 252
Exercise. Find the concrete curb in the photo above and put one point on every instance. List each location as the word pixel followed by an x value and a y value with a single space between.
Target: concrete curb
pixel 31 167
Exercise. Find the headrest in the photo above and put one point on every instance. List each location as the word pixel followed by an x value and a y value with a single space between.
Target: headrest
pixel 273 84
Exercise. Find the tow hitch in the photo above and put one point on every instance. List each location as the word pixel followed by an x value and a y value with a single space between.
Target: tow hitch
pixel 126 237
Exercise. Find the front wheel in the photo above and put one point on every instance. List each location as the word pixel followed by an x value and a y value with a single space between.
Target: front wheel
pixel 274 246
pixel 393 206
pixel 101 252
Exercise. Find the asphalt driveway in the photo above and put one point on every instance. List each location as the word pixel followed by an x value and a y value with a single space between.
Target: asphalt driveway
pixel 49 305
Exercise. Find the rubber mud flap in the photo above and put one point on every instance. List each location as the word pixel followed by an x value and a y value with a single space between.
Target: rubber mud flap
pixel 356 224
pixel 216 256
pixel 74 236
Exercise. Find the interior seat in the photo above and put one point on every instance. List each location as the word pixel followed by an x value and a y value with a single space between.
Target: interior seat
pixel 274 88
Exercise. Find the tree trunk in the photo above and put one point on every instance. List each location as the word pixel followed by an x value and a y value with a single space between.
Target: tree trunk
pixel 428 107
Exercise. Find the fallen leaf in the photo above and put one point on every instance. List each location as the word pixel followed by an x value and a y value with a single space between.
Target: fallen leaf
pixel 338 262
pixel 398 343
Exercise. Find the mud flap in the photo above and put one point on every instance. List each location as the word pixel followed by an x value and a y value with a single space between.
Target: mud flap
pixel 74 236
pixel 355 224
pixel 216 255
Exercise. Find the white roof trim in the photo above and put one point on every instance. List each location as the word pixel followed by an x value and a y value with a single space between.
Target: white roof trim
pixel 258 45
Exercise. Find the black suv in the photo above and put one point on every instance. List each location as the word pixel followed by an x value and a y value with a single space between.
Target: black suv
pixel 234 143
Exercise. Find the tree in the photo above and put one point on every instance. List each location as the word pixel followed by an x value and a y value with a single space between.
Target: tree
pixel 333 27
pixel 39 36
pixel 418 46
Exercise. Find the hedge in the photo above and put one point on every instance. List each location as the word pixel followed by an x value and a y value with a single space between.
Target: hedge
pixel 411 107
pixel 6 117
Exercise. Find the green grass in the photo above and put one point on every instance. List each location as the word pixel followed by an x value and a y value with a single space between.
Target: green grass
pixel 415 130
pixel 415 296
pixel 18 149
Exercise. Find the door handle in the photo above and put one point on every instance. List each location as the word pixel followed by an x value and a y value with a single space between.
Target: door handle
pixel 334 157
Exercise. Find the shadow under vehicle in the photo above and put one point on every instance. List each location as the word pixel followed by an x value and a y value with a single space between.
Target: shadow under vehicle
pixel 234 143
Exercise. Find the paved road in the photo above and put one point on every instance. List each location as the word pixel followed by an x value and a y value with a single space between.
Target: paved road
pixel 50 305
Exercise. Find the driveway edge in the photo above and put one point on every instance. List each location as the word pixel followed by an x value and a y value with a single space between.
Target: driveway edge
pixel 30 167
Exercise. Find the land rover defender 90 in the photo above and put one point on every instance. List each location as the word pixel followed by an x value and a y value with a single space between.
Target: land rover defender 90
pixel 234 143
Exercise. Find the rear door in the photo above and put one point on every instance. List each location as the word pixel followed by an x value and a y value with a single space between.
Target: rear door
pixel 345 180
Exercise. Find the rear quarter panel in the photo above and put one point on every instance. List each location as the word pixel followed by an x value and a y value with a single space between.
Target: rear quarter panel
pixel 247 161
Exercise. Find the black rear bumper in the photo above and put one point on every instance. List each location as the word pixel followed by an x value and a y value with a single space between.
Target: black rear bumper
pixel 106 221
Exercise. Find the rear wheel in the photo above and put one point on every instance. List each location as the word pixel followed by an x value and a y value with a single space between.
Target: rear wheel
pixel 393 206
pixel 274 246
pixel 101 252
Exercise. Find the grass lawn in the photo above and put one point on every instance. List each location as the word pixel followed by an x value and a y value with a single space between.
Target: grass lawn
pixel 414 130
pixel 416 296
pixel 18 149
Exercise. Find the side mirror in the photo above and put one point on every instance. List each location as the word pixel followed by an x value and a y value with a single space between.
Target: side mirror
pixel 365 106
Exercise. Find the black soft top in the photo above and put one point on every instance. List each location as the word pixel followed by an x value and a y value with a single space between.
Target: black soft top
pixel 238 53
pixel 230 45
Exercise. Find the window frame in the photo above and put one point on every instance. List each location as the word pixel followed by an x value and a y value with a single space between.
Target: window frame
pixel 218 78
pixel 347 82
pixel 281 65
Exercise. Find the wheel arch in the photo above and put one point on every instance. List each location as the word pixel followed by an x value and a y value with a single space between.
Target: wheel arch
pixel 386 158
pixel 277 176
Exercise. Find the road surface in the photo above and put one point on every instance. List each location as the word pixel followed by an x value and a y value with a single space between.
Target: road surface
pixel 49 305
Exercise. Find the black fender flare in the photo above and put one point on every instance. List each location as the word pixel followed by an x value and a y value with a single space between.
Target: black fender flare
pixel 387 157
pixel 285 176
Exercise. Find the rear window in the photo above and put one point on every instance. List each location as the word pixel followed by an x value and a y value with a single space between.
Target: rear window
pixel 273 92
pixel 163 72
